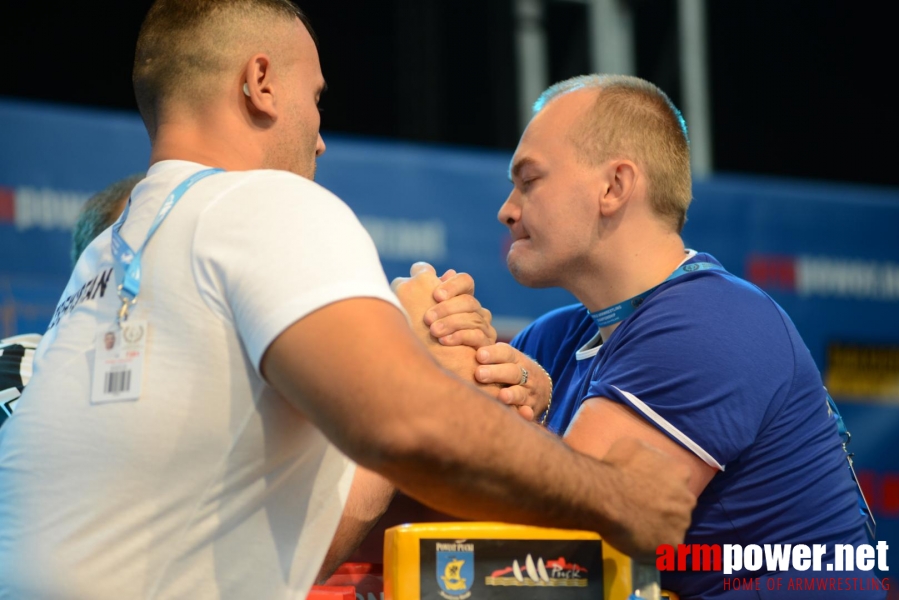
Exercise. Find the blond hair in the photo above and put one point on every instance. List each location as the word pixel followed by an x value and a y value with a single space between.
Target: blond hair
pixel 633 119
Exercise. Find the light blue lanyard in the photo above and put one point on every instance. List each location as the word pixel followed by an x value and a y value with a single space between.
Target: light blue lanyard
pixel 622 310
pixel 129 260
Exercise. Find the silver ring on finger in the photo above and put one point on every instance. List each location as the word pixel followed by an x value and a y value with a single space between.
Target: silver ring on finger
pixel 524 376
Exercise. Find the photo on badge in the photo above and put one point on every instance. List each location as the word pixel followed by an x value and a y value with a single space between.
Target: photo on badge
pixel 118 362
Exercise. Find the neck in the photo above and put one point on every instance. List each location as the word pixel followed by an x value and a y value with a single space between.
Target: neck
pixel 634 268
pixel 213 146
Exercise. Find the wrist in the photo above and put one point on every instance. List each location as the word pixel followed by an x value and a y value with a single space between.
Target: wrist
pixel 549 402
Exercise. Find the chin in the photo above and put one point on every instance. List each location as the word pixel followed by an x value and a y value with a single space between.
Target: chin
pixel 528 277
pixel 305 173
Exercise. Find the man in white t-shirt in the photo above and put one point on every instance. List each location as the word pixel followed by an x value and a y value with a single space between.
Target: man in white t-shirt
pixel 260 349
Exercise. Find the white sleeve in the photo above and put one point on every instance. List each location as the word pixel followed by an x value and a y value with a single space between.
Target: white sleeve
pixel 277 248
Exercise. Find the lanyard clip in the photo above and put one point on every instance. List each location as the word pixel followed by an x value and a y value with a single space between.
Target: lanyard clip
pixel 126 304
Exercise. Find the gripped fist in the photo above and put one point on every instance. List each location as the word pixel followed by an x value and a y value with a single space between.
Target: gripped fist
pixel 415 293
pixel 653 504
pixel 459 319
pixel 503 364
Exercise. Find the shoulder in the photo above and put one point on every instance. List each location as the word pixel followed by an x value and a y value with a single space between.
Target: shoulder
pixel 554 328
pixel 263 188
pixel 709 322
pixel 280 220
pixel 715 298
pixel 236 198
pixel 278 203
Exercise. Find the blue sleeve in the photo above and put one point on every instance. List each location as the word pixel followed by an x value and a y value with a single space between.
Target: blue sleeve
pixel 703 360
pixel 519 342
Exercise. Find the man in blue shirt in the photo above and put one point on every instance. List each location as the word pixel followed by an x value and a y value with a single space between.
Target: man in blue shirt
pixel 665 344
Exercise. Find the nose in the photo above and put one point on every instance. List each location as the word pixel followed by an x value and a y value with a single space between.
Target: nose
pixel 510 212
pixel 320 146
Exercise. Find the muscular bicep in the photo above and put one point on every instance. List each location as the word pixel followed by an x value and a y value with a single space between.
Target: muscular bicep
pixel 350 367
pixel 600 422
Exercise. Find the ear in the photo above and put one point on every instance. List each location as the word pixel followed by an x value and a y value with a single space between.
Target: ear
pixel 258 89
pixel 619 182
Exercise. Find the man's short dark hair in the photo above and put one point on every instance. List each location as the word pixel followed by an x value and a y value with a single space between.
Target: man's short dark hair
pixel 180 42
pixel 100 211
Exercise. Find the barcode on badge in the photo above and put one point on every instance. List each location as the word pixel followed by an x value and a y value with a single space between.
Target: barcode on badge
pixel 117 382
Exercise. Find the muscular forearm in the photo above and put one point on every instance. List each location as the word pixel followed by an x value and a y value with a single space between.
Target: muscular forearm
pixel 369 497
pixel 500 468
pixel 372 389
pixel 477 460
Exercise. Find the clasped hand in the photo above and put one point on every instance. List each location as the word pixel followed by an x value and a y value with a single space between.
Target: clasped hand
pixel 444 313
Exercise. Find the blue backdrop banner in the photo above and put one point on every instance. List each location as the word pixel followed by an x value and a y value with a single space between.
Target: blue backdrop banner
pixel 828 253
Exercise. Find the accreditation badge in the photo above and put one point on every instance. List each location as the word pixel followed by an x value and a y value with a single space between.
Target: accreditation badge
pixel 119 361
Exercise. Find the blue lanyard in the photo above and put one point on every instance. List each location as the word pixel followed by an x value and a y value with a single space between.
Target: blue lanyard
pixel 622 310
pixel 130 260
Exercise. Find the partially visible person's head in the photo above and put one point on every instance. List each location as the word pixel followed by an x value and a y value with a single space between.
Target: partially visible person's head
pixel 100 211
pixel 196 58
pixel 632 118
pixel 109 340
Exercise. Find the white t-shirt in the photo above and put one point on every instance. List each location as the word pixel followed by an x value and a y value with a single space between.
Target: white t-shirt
pixel 209 485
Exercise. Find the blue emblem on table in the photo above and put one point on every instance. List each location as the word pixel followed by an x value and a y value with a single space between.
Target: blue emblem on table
pixel 455 570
